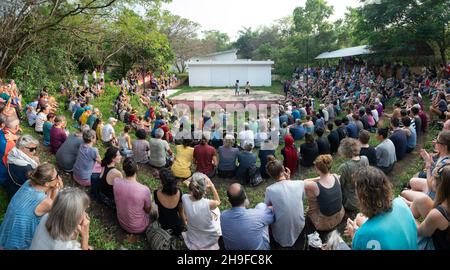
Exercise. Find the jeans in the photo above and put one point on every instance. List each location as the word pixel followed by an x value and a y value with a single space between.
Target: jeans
pixel 126 153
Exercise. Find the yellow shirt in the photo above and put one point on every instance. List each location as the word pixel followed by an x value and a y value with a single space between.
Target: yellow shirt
pixel 181 167
pixel 84 117
pixel 99 132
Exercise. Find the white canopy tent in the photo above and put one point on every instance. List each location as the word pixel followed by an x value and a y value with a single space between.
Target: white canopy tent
pixel 360 50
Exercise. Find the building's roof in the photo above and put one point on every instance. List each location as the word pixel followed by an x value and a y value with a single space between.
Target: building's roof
pixel 220 53
pixel 234 63
pixel 353 51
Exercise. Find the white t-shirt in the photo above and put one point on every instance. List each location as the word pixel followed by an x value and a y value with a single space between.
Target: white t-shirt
pixel 202 233
pixel 40 120
pixel 43 241
pixel 286 197
pixel 246 136
pixel 326 116
pixel 158 152
pixel 107 133
pixel 375 115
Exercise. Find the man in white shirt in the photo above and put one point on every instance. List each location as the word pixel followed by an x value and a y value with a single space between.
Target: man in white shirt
pixel 108 133
pixel 94 75
pixel 246 136
pixel 325 113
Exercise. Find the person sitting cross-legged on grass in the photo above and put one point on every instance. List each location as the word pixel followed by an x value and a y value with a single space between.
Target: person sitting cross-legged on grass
pixel 386 157
pixel 160 152
pixel 141 147
pixel 324 196
pixel 104 191
pixel 420 187
pixel 205 157
pixel 434 230
pixel 133 200
pixel 286 198
pixel 350 149
pixel 246 159
pixel 67 153
pixel 309 151
pixel 202 214
pixel 47 128
pixel 385 223
pixel 58 134
pixel 33 200
pixel 366 149
pixel 227 158
pixel 181 166
pixel 86 159
pixel 22 159
pixel 170 205
pixel 59 229
pixel 242 228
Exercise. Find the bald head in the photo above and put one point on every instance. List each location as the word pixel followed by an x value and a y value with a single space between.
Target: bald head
pixel 236 195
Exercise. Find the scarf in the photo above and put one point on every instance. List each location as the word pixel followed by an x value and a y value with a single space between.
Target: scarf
pixel 19 158
pixel 290 154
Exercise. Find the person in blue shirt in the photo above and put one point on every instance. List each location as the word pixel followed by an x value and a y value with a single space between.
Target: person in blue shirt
pixel 242 228
pixel 297 130
pixel 398 137
pixel 385 223
pixel 411 135
pixel 295 114
pixel 320 122
pixel 283 118
pixel 352 129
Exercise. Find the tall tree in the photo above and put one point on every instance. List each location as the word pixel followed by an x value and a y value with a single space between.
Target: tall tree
pixel 183 38
pixel 405 28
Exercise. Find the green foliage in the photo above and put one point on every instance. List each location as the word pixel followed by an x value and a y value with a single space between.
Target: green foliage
pixel 403 29
pixel 217 40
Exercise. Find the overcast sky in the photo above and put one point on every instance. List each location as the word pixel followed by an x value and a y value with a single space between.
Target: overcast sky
pixel 230 16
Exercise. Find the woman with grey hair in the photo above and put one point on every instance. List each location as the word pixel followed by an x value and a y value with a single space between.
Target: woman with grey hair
pixel 227 158
pixel 246 159
pixel 203 215
pixel 21 160
pixel 350 149
pixel 59 229
pixel 159 150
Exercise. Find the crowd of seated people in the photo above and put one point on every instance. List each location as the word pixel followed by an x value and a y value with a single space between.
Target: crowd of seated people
pixel 351 109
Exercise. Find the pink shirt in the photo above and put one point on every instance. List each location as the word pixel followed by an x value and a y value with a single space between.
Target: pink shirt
pixel 131 197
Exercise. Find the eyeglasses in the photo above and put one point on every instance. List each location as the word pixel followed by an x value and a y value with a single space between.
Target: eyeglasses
pixel 32 149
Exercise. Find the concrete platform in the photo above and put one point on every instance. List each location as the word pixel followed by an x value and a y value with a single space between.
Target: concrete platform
pixel 224 97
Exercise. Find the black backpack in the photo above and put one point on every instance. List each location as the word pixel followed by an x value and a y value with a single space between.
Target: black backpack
pixel 254 177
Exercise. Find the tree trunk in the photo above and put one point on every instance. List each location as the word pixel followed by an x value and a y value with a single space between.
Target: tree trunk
pixel 443 56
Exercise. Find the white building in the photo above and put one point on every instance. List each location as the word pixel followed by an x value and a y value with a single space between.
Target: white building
pixel 223 69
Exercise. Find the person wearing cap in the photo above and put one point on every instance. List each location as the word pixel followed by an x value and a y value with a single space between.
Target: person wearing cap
pixel 108 133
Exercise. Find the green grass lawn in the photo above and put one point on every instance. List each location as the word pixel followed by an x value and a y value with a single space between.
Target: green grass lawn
pixel 104 237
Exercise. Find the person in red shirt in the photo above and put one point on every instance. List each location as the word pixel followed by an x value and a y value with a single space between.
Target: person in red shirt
pixel 167 134
pixel 205 158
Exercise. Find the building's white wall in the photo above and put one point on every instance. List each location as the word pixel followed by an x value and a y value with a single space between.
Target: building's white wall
pixel 226 75
pixel 199 76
